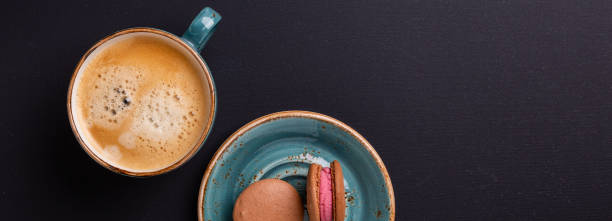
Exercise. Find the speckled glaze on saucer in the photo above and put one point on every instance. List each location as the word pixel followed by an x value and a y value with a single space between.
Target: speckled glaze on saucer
pixel 282 145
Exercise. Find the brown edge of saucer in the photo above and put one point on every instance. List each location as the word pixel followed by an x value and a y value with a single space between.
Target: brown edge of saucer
pixel 296 114
pixel 205 132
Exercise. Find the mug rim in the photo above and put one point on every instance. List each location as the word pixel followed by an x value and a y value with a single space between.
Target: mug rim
pixel 205 132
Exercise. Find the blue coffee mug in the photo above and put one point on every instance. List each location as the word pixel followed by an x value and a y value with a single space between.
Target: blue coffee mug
pixel 192 41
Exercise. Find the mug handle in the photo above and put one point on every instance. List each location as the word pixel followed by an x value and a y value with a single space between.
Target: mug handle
pixel 201 28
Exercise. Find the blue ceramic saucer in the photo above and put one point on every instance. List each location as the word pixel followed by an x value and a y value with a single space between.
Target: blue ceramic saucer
pixel 282 145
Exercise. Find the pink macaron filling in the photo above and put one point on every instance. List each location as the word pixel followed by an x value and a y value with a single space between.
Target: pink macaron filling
pixel 325 195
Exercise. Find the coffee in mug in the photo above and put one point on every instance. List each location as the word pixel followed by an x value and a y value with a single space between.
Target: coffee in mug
pixel 142 101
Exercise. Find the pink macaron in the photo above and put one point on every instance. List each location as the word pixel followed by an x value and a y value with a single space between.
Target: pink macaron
pixel 325 193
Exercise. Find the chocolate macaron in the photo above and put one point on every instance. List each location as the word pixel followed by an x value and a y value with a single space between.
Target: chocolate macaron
pixel 325 193
pixel 269 200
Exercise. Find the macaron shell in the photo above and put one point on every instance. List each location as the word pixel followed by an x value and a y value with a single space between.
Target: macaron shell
pixel 268 200
pixel 338 187
pixel 312 192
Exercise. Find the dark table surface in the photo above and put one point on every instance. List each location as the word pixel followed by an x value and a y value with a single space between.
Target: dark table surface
pixel 481 110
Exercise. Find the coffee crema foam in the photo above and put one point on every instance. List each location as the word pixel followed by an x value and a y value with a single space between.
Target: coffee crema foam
pixel 143 103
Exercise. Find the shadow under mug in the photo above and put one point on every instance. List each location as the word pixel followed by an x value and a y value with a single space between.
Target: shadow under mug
pixel 193 40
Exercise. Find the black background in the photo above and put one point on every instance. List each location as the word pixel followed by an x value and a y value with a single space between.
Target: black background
pixel 481 110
